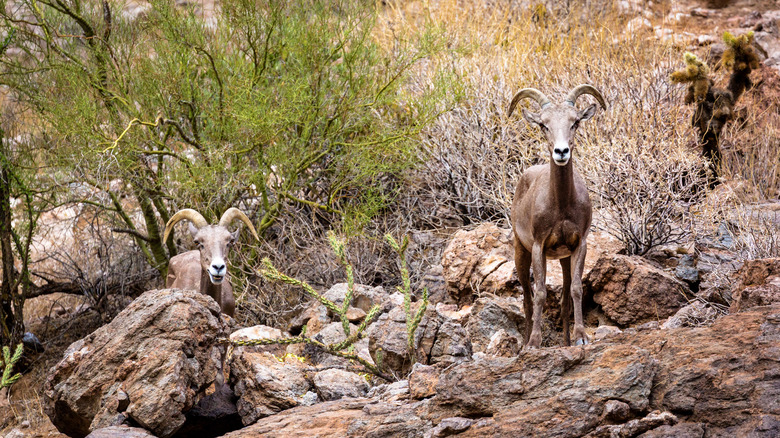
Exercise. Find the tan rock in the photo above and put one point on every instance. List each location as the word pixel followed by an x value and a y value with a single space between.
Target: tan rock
pixel 479 260
pixel 632 291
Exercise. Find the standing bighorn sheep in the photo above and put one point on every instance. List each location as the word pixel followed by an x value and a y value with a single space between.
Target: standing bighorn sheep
pixel 205 269
pixel 551 213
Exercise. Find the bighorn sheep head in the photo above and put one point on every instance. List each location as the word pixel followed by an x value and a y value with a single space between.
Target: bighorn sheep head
pixel 213 241
pixel 559 122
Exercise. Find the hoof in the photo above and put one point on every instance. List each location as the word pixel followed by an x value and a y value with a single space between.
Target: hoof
pixel 581 341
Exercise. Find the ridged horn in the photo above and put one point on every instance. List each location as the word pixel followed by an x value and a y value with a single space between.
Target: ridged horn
pixel 232 214
pixel 189 214
pixel 531 93
pixel 579 90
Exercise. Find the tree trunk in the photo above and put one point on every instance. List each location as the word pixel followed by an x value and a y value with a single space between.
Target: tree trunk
pixel 11 324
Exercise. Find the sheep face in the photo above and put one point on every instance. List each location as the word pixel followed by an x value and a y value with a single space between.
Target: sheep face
pixel 214 242
pixel 559 123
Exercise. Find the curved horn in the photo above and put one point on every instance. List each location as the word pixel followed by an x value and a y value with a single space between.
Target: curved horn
pixel 585 89
pixel 189 214
pixel 232 214
pixel 532 93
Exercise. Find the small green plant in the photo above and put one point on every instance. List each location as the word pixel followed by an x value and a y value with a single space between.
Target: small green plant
pixel 345 348
pixel 412 320
pixel 8 363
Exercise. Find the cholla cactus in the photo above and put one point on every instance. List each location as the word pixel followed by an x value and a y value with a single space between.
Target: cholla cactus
pixel 741 57
pixel 697 73
pixel 740 54
pixel 7 364
pixel 715 106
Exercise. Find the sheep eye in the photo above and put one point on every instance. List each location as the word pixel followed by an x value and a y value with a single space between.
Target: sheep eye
pixel 575 125
pixel 544 127
pixel 200 245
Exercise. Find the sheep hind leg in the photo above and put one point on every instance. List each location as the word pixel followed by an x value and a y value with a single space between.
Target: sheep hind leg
pixel 523 266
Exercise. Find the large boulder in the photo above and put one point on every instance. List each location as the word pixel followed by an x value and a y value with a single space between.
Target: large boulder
pixel 265 384
pixel 632 291
pixel 479 260
pixel 148 366
pixel 758 284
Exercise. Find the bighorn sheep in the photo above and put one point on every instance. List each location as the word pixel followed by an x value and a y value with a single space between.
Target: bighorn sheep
pixel 205 269
pixel 551 213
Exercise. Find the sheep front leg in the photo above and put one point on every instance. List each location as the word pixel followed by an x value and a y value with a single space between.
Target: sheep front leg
pixel 540 294
pixel 578 262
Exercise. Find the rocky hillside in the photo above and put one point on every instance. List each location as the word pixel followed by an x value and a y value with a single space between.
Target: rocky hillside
pixel 662 363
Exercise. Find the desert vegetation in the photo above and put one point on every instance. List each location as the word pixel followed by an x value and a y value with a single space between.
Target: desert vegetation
pixel 335 123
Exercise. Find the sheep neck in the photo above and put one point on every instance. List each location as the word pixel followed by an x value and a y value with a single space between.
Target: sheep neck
pixel 562 184
pixel 209 288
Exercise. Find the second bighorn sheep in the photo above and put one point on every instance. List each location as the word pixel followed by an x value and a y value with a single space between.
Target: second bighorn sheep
pixel 205 269
pixel 551 213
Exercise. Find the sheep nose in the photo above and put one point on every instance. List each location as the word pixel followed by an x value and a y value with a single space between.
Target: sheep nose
pixel 561 151
pixel 218 268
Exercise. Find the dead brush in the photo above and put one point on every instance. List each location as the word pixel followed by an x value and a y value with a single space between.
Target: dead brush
pixel 474 154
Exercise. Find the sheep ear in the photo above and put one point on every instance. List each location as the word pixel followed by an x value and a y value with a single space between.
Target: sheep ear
pixel 532 117
pixel 193 229
pixel 587 113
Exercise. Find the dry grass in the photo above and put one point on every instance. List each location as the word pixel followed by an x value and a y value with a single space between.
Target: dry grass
pixel 476 153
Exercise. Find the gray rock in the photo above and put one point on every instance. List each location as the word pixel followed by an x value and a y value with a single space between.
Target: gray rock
pixel 116 432
pixel 490 314
pixel 309 398
pixel 388 343
pixel 452 345
pixel 364 297
pixel 617 411
pixel 450 426
pixel 265 385
pixel 606 331
pixel 696 314
pixel 334 384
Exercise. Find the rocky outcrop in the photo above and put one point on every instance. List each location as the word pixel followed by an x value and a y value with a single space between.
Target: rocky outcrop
pixel 545 390
pixel 681 382
pixel 479 260
pixel 342 418
pixel 151 364
pixel 631 291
